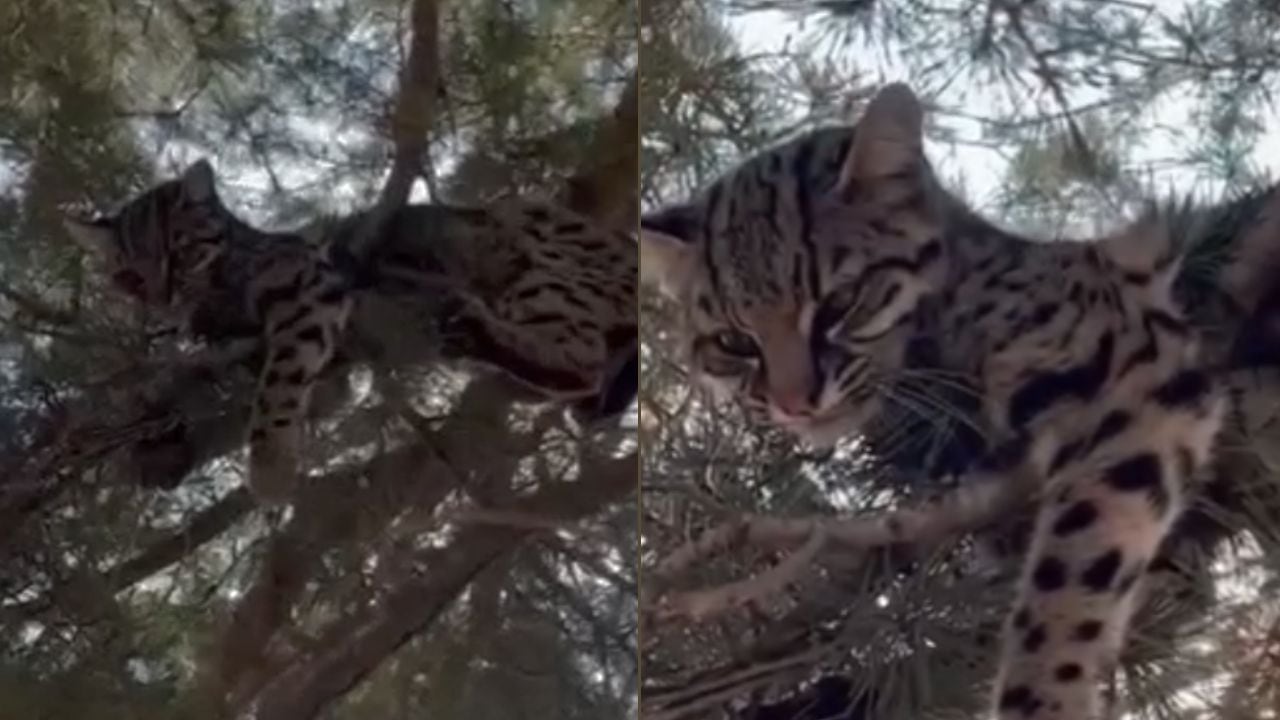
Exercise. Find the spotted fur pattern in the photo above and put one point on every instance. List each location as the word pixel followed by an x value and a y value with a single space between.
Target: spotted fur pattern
pixel 807 276
pixel 542 293
pixel 531 290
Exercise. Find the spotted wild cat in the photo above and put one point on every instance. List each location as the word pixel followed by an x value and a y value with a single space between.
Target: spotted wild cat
pixel 806 277
pixel 532 290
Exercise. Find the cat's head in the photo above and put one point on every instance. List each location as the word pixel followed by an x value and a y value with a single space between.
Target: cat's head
pixel 159 244
pixel 797 274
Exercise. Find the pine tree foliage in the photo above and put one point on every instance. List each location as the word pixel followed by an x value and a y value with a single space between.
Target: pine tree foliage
pixel 144 585
pixel 1049 117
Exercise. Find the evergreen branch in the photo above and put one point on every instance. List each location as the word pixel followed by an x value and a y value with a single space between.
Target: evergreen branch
pixel 35 307
pixel 311 683
pixel 1049 76
pixel 701 694
pixel 323 520
pixel 699 605
pixel 80 432
pixel 969 507
pixel 400 490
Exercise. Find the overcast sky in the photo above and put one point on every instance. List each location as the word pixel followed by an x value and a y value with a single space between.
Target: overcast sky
pixel 982 167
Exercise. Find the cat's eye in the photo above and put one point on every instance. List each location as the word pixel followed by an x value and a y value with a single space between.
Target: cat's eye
pixel 837 306
pixel 735 342
pixel 843 300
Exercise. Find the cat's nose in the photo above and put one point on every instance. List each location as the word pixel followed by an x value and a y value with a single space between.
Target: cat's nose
pixel 793 401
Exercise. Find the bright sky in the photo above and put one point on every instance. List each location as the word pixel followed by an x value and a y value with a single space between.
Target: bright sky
pixel 981 167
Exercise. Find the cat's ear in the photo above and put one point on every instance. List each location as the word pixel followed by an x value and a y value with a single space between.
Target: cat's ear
pixel 667 254
pixel 888 139
pixel 197 181
pixel 94 235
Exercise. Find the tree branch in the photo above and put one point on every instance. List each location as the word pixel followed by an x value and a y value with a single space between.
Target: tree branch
pixel 390 484
pixel 398 485
pixel 205 526
pixel 311 683
pixel 605 187
pixel 978 502
pixel 36 308
pixel 411 120
pixel 1049 76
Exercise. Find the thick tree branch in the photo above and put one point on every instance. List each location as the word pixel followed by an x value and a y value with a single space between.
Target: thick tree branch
pixel 409 481
pixel 605 187
pixel 411 119
pixel 307 687
pixel 205 526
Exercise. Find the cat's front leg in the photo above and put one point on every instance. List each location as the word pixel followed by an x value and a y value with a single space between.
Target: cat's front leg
pixel 304 306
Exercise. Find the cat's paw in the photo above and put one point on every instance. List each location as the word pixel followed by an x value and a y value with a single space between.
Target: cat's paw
pixel 459 331
pixel 273 473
